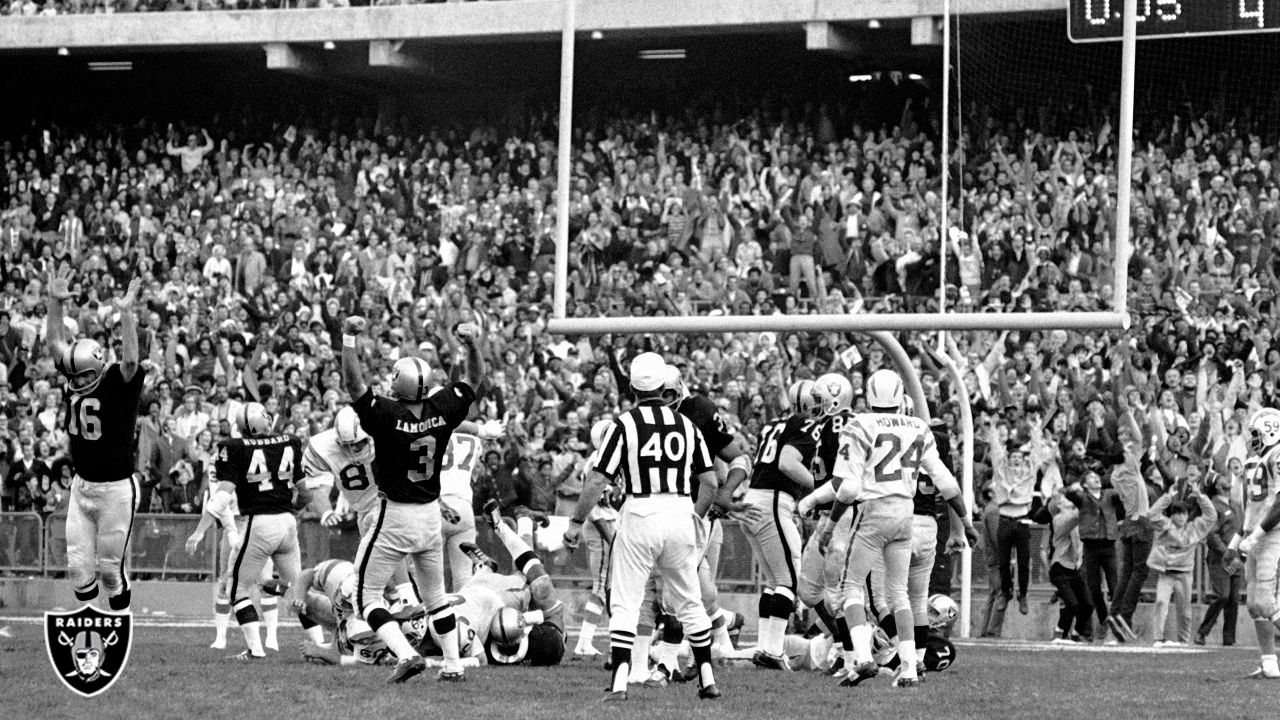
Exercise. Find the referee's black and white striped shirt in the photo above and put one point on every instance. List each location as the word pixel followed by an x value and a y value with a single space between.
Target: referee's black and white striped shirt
pixel 654 450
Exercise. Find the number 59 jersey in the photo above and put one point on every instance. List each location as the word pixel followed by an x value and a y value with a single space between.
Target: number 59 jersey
pixel 264 471
pixel 325 463
pixel 881 455
pixel 1261 484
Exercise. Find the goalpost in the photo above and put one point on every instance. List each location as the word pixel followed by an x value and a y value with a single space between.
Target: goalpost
pixel 878 326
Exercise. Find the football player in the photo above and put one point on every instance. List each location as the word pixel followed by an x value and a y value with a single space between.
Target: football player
pixel 597 535
pixel 102 412
pixel 820 568
pixel 780 477
pixel 261 469
pixel 456 494
pixel 1260 543
pixel 222 588
pixel 880 458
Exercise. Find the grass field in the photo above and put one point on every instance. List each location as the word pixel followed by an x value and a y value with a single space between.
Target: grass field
pixel 171 674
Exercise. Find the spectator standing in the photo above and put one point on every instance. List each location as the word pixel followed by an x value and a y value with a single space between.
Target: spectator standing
pixel 168 449
pixel 192 154
pixel 1099 508
pixel 1064 571
pixel 1172 554
pixel 1225 587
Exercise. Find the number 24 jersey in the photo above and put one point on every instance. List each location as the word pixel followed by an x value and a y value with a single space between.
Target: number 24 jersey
pixel 326 463
pixel 882 454
pixel 264 471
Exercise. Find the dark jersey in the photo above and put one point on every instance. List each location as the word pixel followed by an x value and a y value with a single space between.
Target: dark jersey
pixel 101 426
pixel 264 471
pixel 798 431
pixel 706 417
pixel 407 449
pixel 927 500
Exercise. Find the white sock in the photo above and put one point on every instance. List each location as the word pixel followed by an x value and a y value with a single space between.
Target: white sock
pixel 668 654
pixel 447 641
pixel 920 654
pixel 705 675
pixel 640 657
pixel 621 676
pixel 720 634
pixel 586 634
pixel 315 634
pixel 777 634
pixel 906 656
pixel 395 640
pixel 271 618
pixel 220 622
pixel 252 639
pixel 861 642
pixel 1268 661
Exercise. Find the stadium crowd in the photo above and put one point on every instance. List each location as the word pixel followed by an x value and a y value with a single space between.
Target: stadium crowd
pixel 106 7
pixel 256 237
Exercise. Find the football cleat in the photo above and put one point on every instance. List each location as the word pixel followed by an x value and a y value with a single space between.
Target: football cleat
pixel 920 670
pixel 616 696
pixel 769 660
pixel 1262 674
pixel 493 513
pixel 454 675
pixel 906 683
pixel 861 672
pixel 321 654
pixel 407 669
pixel 246 656
pixel 586 651
pixel 274 586
pixel 658 678
pixel 710 692
pixel 478 556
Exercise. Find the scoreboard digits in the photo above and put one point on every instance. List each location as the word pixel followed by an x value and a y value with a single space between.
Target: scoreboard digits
pixel 1100 20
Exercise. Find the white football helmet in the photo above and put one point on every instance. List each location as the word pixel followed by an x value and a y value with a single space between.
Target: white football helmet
pixel 884 391
pixel 943 611
pixel 800 397
pixel 83 363
pixel 675 383
pixel 409 379
pixel 507 629
pixel 255 421
pixel 597 432
pixel 831 394
pixel 354 441
pixel 1264 430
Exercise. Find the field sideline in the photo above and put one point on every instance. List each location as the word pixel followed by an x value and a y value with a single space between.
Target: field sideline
pixel 172 674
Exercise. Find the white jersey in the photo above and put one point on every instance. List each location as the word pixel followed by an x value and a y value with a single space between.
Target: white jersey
pixel 603 510
pixel 1261 483
pixel 478 602
pixel 324 461
pixel 881 455
pixel 336 580
pixel 456 467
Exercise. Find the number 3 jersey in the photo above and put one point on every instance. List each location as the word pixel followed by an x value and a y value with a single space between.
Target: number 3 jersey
pixel 881 455
pixel 1261 483
pixel 326 463
pixel 100 425
pixel 408 449
pixel 263 470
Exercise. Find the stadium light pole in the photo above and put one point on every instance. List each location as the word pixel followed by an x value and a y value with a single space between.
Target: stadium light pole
pixel 563 150
pixel 1124 167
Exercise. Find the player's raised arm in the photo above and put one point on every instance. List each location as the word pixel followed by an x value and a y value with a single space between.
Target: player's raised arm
pixel 352 373
pixel 129 329
pixel 469 334
pixel 55 329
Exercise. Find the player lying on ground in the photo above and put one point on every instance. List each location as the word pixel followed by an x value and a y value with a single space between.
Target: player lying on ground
pixel 502 619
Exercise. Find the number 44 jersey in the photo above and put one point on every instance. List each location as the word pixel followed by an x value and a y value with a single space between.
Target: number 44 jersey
pixel 264 471
pixel 882 455
pixel 326 463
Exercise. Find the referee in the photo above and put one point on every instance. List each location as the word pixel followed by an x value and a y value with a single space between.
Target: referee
pixel 657 455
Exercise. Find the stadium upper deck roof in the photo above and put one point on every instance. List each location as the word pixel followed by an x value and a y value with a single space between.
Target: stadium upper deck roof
pixel 826 23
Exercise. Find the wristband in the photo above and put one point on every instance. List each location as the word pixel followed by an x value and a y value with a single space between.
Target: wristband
pixel 1235 542
pixel 349 341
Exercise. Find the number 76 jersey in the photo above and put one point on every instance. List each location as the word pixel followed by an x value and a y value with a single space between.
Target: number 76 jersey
pixel 326 463
pixel 881 455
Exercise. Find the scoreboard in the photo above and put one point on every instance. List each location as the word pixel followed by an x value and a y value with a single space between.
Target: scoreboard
pixel 1099 20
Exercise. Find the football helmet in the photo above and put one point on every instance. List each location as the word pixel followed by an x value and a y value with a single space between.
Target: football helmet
pixel 83 363
pixel 831 394
pixel 507 629
pixel 409 378
pixel 675 383
pixel 884 391
pixel 354 441
pixel 546 644
pixel 1264 430
pixel 597 432
pixel 942 612
pixel 255 421
pixel 800 397
pixel 939 655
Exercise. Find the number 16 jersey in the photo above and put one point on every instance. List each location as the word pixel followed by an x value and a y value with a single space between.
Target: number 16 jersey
pixel 326 463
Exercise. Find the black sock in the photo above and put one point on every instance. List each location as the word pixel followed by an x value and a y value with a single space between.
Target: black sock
pixel 889 624
pixel 842 634
pixel 922 636
pixel 828 620
pixel 121 601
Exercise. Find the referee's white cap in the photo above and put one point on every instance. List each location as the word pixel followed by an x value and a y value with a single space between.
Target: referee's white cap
pixel 648 372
